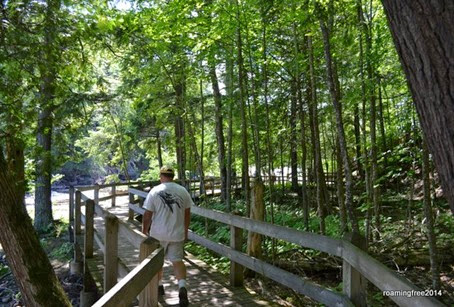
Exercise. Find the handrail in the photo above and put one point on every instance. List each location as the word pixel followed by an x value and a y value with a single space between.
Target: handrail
pixel 377 273
pixel 131 285
pixel 114 266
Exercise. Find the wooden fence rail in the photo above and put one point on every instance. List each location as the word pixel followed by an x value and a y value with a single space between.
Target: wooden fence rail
pixel 142 279
pixel 356 262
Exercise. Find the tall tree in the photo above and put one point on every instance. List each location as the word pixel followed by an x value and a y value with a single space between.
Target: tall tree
pixel 47 104
pixel 422 31
pixel 335 96
pixel 219 129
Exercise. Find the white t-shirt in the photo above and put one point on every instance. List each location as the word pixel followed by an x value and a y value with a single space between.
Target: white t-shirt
pixel 168 202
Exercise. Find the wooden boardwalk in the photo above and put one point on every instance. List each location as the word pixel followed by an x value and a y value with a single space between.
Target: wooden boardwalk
pixel 206 287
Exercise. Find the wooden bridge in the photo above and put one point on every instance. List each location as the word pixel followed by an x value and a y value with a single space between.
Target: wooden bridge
pixel 120 264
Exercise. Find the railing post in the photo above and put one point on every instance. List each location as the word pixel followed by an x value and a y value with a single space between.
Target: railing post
pixel 141 200
pixel 89 228
pixel 149 295
pixel 111 252
pixel 114 196
pixel 77 222
pixel 96 194
pixel 71 213
pixel 212 188
pixel 76 264
pixel 131 212
pixel 354 284
pixel 236 243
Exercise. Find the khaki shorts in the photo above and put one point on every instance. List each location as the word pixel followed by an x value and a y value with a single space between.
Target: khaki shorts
pixel 173 251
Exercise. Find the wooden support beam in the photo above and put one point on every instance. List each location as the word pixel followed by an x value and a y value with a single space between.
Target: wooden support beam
pixel 114 195
pixel 71 214
pixel 77 227
pixel 354 284
pixel 149 295
pixel 96 194
pixel 89 228
pixel 236 269
pixel 111 252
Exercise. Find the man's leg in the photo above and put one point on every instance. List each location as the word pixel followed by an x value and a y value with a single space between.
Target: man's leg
pixel 180 273
pixel 179 269
pixel 176 254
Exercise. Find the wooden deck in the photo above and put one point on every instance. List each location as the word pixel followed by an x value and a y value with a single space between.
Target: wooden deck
pixel 206 287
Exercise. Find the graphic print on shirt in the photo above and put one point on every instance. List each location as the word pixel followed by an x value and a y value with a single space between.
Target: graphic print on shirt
pixel 169 200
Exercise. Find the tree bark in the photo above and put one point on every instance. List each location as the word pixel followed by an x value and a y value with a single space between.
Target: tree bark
pixel 340 128
pixel 219 130
pixel 244 134
pixel 422 31
pixel 429 218
pixel 28 261
pixel 47 68
pixel 230 95
pixel 315 136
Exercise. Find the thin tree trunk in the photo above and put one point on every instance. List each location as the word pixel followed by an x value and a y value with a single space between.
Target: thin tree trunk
pixel 202 141
pixel 244 136
pixel 195 151
pixel 230 95
pixel 268 134
pixel 340 128
pixel 159 149
pixel 219 129
pixel 318 168
pixel 430 228
pixel 179 132
pixel 340 190
pixel 293 137
pixel 120 141
pixel 34 274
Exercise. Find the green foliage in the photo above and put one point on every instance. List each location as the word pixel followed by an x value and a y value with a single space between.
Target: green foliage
pixel 63 252
pixel 4 269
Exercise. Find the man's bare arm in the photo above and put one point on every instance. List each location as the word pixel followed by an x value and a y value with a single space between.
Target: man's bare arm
pixel 146 222
pixel 187 220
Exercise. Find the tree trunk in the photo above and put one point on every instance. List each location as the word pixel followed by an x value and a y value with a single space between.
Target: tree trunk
pixel 422 31
pixel 315 136
pixel 244 136
pixel 340 190
pixel 43 204
pixel 47 69
pixel 158 145
pixel 195 151
pixel 16 163
pixel 340 128
pixel 219 130
pixel 179 131
pixel 293 137
pixel 230 95
pixel 202 141
pixel 429 219
pixel 28 261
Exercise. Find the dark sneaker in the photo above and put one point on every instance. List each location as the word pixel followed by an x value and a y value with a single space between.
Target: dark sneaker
pixel 183 295
pixel 161 291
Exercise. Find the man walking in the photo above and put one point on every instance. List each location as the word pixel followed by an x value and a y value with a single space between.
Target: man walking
pixel 166 218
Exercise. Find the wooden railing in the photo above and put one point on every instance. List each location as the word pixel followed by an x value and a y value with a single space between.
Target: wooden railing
pixel 142 279
pixel 357 264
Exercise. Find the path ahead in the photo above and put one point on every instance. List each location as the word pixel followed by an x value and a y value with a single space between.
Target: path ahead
pixel 206 287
